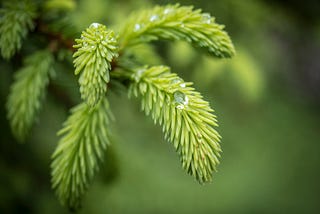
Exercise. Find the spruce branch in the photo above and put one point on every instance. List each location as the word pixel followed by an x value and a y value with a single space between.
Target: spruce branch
pixel 27 92
pixel 15 21
pixel 85 137
pixel 96 49
pixel 187 120
pixel 175 22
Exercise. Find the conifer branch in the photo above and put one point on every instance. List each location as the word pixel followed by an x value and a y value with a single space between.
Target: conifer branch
pixel 85 137
pixel 15 21
pixel 27 92
pixel 175 22
pixel 187 120
pixel 95 51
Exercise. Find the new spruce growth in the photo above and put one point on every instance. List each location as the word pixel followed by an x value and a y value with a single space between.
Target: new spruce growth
pixel 84 139
pixel 187 120
pixel 95 50
pixel 101 59
pixel 177 23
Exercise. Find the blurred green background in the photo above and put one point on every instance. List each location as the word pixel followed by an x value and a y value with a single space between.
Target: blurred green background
pixel 267 100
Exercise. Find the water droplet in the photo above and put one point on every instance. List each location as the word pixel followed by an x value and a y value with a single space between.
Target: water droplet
pixel 154 18
pixel 180 106
pixel 181 99
pixel 176 80
pixel 199 137
pixel 141 71
pixel 138 74
pixel 137 27
pixel 95 25
pixel 183 85
pixel 84 44
pixel 206 18
pixel 167 11
pixel 182 25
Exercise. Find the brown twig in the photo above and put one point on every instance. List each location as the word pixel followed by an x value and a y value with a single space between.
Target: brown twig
pixel 57 40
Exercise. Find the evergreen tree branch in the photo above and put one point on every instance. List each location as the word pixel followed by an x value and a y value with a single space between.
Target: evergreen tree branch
pixel 16 18
pixel 27 92
pixel 175 22
pixel 85 137
pixel 96 49
pixel 187 120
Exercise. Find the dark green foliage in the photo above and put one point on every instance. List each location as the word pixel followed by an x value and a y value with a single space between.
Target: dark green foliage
pixel 15 22
pixel 28 91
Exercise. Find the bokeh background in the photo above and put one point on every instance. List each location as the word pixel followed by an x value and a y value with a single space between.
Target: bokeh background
pixel 267 100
